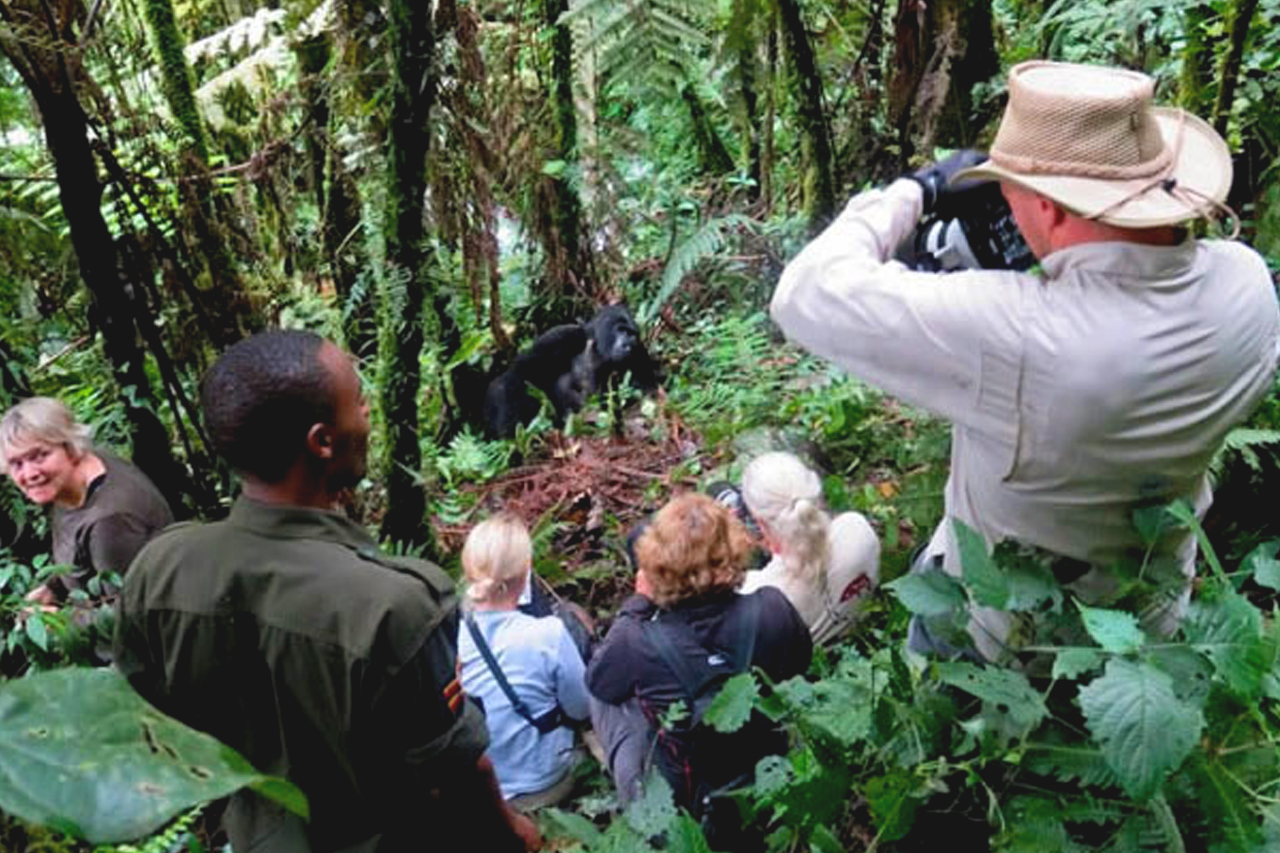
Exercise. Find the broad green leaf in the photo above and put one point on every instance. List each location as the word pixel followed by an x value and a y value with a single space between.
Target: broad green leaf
pixel 37 630
pixel 1228 629
pixel 686 836
pixel 892 803
pixel 1192 673
pixel 836 708
pixel 773 774
pixel 1263 565
pixel 932 592
pixel 982 576
pixel 1035 826
pixel 1028 579
pixel 573 825
pixel 1070 664
pixel 1007 690
pixel 1114 630
pixel 654 811
pixel 824 840
pixel 1070 761
pixel 731 708
pixel 1144 729
pixel 80 751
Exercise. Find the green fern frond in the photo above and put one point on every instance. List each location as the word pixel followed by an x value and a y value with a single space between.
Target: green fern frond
pixel 645 41
pixel 702 244
pixel 1243 442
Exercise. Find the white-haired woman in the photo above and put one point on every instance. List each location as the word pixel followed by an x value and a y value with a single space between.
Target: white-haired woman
pixel 825 566
pixel 526 670
pixel 103 508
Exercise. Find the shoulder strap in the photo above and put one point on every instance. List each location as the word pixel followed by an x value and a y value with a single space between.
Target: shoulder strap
pixel 690 667
pixel 549 721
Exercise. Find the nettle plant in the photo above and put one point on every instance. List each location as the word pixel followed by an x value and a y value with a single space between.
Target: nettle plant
pixel 1093 735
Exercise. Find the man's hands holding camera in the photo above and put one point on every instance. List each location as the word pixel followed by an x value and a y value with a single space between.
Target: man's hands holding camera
pixel 965 225
pixel 935 178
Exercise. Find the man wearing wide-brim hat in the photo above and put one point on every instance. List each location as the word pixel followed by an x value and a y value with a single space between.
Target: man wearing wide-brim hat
pixel 1078 395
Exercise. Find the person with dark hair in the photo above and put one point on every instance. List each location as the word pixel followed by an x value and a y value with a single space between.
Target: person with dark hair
pixel 285 633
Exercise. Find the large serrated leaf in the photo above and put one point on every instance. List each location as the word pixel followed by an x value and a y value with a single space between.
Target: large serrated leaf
pixel 982 576
pixel 731 708
pixel 1114 630
pixel 79 750
pixel 1144 729
pixel 932 592
pixel 1072 663
pixel 1229 630
pixel 1008 691
pixel 1263 565
pixel 654 811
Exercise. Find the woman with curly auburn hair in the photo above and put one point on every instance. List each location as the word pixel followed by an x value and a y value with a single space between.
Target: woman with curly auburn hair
pixel 684 632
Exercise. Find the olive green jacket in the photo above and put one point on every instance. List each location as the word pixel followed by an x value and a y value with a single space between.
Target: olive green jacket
pixel 284 633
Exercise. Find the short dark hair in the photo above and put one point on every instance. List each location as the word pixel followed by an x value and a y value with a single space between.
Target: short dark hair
pixel 260 398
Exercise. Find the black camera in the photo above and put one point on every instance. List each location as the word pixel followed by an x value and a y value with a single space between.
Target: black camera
pixel 972 228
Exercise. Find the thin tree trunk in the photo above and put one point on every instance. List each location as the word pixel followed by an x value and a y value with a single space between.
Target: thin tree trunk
pixel 713 156
pixel 413 91
pixel 1242 13
pixel 565 253
pixel 819 188
pixel 743 45
pixel 1194 85
pixel 338 199
pixel 770 116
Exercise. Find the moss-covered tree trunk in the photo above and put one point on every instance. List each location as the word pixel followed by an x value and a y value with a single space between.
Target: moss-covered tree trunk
pixel 941 52
pixel 408 258
pixel 1195 85
pixel 338 199
pixel 196 188
pixel 44 52
pixel 1240 18
pixel 567 265
pixel 713 156
pixel 815 135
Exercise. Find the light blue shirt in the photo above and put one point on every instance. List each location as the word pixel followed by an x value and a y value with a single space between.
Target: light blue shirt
pixel 542 664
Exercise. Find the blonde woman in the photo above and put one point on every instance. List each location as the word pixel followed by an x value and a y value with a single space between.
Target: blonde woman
pixel 824 566
pixel 526 670
pixel 103 508
pixel 683 632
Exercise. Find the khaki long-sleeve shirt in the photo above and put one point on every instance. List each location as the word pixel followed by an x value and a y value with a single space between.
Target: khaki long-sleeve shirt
pixel 1076 397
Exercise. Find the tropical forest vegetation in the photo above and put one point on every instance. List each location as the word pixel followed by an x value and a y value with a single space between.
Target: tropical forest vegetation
pixel 433 184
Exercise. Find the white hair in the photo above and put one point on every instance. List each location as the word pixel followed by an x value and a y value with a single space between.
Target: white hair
pixel 785 496
pixel 43 419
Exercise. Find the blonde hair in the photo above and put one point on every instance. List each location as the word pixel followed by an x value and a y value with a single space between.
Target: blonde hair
pixel 785 496
pixel 693 546
pixel 43 419
pixel 497 553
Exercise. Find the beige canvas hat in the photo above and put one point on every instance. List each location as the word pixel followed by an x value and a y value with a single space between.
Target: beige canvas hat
pixel 1089 138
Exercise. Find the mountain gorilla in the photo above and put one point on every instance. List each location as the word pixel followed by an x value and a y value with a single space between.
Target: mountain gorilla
pixel 569 363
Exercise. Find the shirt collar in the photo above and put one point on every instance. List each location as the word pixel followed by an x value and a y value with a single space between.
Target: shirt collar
pixel 295 522
pixel 1134 260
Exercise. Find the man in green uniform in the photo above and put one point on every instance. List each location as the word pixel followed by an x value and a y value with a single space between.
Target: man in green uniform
pixel 283 632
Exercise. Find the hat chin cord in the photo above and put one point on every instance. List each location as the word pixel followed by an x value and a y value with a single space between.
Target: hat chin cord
pixel 1190 196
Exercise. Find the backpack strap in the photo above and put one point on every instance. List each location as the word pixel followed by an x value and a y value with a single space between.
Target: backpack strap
pixel 545 723
pixel 688 659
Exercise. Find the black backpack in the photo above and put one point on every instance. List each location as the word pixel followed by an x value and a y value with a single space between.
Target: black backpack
pixel 698 761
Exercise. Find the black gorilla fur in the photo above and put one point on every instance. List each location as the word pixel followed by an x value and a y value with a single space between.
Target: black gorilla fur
pixel 569 363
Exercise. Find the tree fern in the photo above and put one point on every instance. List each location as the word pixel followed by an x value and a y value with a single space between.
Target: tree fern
pixel 645 41
pixel 704 243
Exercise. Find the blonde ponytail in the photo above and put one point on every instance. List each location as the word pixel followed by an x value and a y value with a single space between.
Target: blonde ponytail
pixel 786 498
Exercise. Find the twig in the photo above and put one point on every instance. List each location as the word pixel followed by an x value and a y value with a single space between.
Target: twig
pixel 76 344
